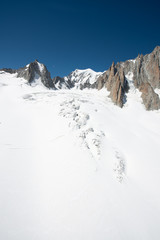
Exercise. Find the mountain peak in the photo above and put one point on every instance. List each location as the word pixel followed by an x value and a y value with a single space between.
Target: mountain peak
pixel 156 49
pixel 36 71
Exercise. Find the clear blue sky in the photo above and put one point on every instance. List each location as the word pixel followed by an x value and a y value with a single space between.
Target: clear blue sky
pixel 65 35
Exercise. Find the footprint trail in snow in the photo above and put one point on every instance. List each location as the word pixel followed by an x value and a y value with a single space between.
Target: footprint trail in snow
pixel 81 123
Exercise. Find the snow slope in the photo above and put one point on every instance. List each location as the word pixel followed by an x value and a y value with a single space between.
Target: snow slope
pixel 75 166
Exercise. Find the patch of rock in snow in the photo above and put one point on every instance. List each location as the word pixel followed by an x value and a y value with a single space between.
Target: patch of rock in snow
pixel 119 166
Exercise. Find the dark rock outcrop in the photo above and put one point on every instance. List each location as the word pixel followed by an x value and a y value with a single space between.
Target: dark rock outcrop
pixel 147 78
pixel 64 82
pixel 36 70
pixel 147 69
pixel 119 88
pixel 8 70
pixel 150 98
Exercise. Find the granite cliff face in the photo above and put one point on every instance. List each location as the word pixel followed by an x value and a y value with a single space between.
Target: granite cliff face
pixel 146 78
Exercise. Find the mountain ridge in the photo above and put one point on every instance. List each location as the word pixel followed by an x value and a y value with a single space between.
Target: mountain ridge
pixel 145 71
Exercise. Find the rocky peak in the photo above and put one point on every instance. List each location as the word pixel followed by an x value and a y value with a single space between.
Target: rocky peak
pixel 34 71
pixel 112 69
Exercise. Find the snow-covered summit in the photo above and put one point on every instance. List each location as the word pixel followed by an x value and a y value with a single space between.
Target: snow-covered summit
pixel 83 77
pixel 79 79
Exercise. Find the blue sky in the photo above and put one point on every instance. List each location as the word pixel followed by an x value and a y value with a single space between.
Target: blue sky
pixel 66 35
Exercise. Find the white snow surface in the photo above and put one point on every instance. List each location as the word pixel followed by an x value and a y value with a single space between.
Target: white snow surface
pixel 75 166
pixel 157 91
pixel 41 67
